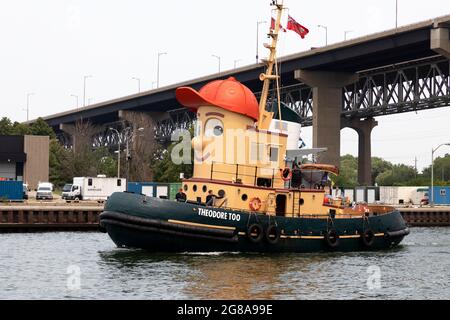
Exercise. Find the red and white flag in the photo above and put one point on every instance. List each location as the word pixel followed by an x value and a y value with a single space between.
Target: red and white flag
pixel 272 25
pixel 297 27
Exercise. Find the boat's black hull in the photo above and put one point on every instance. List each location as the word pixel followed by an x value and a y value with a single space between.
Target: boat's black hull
pixel 136 221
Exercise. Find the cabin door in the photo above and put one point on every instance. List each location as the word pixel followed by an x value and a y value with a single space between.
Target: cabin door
pixel 281 205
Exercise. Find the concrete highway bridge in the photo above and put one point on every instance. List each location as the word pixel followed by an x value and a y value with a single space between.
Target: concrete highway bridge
pixel 347 84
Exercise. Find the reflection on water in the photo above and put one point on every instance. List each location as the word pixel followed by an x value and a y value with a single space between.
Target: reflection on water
pixel 38 269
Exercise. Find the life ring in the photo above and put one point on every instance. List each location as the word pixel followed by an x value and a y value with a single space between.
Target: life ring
pixel 255 233
pixel 255 204
pixel 273 234
pixel 286 174
pixel 368 238
pixel 332 238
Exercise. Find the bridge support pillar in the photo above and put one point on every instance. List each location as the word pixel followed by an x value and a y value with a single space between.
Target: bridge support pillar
pixel 364 129
pixel 327 105
pixel 70 130
pixel 440 41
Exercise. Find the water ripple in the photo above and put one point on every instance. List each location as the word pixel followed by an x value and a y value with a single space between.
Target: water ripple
pixel 35 266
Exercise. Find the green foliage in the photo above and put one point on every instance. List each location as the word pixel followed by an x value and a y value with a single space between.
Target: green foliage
pixel 6 127
pixel 348 172
pixel 164 169
pixel 41 128
pixel 397 175
pixel 38 128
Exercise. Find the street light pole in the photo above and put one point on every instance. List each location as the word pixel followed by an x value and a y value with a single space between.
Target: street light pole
pixel 257 39
pixel 345 34
pixel 76 97
pixel 28 105
pixel 84 89
pixel 396 14
pixel 157 73
pixel 326 33
pixel 139 83
pixel 218 58
pixel 432 171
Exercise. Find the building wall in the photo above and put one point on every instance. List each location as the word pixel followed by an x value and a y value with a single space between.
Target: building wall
pixel 36 168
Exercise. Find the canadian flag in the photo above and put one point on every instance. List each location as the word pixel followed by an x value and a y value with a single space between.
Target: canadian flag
pixel 272 25
pixel 297 27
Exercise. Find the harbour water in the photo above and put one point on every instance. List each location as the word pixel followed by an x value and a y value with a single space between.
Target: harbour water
pixel 89 266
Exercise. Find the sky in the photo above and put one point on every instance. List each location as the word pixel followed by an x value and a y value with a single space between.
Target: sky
pixel 48 46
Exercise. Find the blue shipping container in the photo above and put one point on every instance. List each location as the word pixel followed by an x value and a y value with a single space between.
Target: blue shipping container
pixel 11 190
pixel 150 189
pixel 441 195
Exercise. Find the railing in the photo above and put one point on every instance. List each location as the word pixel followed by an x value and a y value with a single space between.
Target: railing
pixel 261 176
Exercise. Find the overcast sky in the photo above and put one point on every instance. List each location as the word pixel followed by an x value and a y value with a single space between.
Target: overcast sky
pixel 47 46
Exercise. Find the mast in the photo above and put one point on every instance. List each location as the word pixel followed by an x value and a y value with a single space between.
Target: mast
pixel 265 117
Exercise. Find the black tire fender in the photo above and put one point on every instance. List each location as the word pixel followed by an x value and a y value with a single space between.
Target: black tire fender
pixel 368 238
pixel 332 238
pixel 273 234
pixel 255 233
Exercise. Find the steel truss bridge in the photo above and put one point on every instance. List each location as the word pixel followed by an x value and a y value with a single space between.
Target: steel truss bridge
pixel 400 70
pixel 407 87
pixel 411 86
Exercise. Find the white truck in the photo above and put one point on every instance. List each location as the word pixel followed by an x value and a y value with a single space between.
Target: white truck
pixel 93 189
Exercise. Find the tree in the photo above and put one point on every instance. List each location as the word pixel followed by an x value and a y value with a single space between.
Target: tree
pixel 379 166
pixel 41 128
pixel 398 175
pixel 348 172
pixel 165 170
pixel 6 128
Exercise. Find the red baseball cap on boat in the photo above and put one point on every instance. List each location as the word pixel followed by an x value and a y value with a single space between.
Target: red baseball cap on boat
pixel 227 94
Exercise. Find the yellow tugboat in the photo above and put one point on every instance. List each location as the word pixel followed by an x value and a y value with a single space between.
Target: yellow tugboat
pixel 250 190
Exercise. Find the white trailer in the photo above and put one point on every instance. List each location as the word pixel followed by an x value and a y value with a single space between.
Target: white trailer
pixel 402 195
pixel 94 189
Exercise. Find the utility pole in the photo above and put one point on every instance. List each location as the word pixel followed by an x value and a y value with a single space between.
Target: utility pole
pixel 415 166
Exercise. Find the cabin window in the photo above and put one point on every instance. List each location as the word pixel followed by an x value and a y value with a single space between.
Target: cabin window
pixel 194 188
pixel 89 182
pixel 302 201
pixel 274 154
pixel 244 197
pixel 119 182
pixel 264 182
pixel 205 188
pixel 185 187
pixel 221 193
pixel 213 128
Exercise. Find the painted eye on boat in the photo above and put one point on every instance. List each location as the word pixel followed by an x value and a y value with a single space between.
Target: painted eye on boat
pixel 213 127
